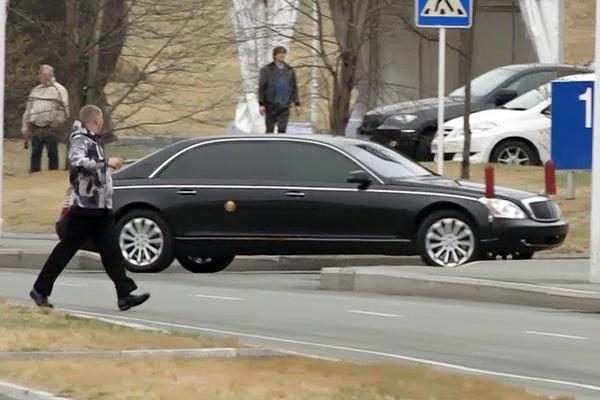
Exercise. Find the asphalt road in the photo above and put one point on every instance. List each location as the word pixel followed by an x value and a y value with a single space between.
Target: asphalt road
pixel 546 351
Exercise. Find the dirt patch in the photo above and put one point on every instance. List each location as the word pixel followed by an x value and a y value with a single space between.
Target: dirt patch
pixel 31 329
pixel 249 379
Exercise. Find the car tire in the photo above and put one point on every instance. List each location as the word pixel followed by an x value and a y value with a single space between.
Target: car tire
pixel 204 265
pixel 144 241
pixel 448 238
pixel 515 152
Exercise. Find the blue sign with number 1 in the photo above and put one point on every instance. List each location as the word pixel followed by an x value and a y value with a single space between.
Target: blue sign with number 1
pixel 572 123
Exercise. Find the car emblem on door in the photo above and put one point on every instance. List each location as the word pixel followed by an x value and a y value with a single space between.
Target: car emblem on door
pixel 230 206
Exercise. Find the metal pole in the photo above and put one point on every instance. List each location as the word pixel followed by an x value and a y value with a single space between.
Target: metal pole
pixel 3 5
pixel 314 86
pixel 595 217
pixel 570 195
pixel 441 95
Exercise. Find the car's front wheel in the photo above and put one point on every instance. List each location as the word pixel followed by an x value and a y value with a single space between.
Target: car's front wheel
pixel 144 241
pixel 204 265
pixel 447 238
pixel 514 152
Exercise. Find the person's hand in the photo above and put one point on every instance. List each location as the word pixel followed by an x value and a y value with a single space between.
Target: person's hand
pixel 116 162
pixel 263 110
pixel 25 132
pixel 298 109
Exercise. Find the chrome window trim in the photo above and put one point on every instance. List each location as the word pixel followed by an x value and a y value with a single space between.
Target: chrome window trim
pixel 538 199
pixel 315 188
pixel 162 166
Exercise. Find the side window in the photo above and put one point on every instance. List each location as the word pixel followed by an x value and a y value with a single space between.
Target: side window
pixel 281 162
pixel 312 163
pixel 531 81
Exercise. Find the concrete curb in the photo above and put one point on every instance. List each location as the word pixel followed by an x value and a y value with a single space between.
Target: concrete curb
pixel 460 288
pixel 181 353
pixel 18 392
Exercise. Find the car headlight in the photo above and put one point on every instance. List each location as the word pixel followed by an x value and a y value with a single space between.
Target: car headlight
pixel 482 127
pixel 499 208
pixel 405 119
pixel 456 132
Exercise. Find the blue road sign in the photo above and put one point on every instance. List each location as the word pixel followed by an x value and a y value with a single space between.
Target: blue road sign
pixel 444 13
pixel 572 123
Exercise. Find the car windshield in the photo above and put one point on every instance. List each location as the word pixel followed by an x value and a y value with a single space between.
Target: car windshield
pixel 484 84
pixel 385 162
pixel 529 99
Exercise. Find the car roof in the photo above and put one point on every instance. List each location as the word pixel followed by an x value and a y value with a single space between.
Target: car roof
pixel 523 67
pixel 315 137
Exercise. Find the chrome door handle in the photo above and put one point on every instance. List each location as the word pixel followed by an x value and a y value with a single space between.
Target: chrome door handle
pixel 185 192
pixel 294 193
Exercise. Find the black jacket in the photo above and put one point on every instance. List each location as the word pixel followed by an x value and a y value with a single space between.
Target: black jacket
pixel 266 84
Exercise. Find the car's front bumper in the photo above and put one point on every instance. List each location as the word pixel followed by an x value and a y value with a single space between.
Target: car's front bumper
pixel 509 236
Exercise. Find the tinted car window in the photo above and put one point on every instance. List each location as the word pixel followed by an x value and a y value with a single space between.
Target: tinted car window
pixel 531 81
pixel 385 162
pixel 530 99
pixel 269 161
pixel 484 84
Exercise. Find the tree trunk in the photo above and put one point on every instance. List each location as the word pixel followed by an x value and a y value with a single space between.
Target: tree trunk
pixel 470 36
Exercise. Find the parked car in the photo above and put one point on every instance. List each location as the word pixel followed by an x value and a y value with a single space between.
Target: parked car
pixel 410 126
pixel 204 201
pixel 517 133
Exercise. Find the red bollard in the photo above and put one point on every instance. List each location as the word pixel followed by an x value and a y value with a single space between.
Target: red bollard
pixel 489 181
pixel 550 178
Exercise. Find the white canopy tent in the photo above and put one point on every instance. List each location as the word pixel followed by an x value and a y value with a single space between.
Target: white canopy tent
pixel 259 26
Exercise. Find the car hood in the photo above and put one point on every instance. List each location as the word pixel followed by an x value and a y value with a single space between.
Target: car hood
pixel 440 184
pixel 497 116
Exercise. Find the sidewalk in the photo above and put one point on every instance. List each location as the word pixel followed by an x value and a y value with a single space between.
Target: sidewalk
pixel 559 284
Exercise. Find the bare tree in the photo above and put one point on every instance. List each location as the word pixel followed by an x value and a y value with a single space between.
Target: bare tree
pixel 470 39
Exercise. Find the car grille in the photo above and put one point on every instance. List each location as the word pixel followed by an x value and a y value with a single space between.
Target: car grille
pixel 543 209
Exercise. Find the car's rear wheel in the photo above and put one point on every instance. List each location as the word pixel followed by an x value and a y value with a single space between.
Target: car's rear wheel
pixel 144 241
pixel 514 152
pixel 205 265
pixel 447 238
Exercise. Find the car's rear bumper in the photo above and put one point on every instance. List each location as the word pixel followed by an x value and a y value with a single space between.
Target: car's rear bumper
pixel 505 236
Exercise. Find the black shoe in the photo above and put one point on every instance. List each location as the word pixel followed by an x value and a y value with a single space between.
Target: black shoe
pixel 132 300
pixel 40 299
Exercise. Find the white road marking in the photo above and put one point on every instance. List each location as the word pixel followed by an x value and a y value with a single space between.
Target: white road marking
pixel 69 284
pixel 376 314
pixel 555 335
pixel 121 323
pixel 22 392
pixel 440 364
pixel 205 296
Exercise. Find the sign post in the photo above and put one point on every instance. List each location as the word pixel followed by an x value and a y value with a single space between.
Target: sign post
pixel 595 217
pixel 443 14
pixel 3 5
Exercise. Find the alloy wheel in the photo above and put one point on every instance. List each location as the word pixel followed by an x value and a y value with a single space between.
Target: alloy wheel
pixel 141 241
pixel 450 242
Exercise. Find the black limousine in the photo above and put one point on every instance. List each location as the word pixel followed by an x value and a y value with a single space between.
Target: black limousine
pixel 204 201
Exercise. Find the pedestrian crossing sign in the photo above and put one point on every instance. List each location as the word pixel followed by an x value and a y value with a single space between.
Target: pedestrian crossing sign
pixel 444 13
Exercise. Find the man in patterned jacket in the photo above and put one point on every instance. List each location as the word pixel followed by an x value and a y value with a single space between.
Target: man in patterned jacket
pixel 91 213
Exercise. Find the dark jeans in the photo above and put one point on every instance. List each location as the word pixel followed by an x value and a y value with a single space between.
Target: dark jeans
pixel 79 227
pixel 278 114
pixel 43 137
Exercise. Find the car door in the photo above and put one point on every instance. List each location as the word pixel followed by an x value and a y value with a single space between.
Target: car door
pixel 315 199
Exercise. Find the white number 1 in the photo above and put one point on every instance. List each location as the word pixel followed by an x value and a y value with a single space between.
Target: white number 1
pixel 587 97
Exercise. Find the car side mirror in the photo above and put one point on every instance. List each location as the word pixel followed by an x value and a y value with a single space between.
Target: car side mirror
pixel 362 178
pixel 503 96
pixel 547 111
